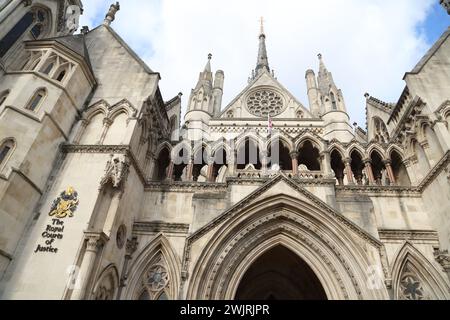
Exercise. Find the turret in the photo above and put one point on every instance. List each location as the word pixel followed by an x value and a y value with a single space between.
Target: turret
pixel 204 101
pixel 331 96
pixel 218 92
pixel 313 93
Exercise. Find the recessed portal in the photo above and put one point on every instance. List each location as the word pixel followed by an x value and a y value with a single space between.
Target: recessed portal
pixel 279 274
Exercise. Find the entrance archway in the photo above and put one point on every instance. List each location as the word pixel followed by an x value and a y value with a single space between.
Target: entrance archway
pixel 279 274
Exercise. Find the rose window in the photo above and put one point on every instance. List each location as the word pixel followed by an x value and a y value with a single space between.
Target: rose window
pixel 265 102
pixel 158 278
pixel 411 289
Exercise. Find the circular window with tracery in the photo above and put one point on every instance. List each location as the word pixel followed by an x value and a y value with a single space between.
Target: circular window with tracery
pixel 264 102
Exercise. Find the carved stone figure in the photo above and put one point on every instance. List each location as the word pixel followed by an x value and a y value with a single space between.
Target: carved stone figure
pixel 116 170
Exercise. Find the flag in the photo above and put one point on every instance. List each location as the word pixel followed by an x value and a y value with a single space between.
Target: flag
pixel 270 123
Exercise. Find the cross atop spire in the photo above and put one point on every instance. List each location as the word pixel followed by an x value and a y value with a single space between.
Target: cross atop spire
pixel 262 25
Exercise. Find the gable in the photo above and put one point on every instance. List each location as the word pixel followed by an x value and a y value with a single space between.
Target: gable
pixel 282 186
pixel 290 108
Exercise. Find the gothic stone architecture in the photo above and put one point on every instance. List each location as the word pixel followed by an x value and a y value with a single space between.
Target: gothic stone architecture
pixel 105 195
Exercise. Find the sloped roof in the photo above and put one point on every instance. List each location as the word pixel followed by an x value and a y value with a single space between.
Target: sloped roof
pixel 431 52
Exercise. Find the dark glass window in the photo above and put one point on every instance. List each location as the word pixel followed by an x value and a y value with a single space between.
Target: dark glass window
pixel 49 68
pixel 41 16
pixel 4 152
pixel 15 33
pixel 35 101
pixel 36 30
pixel 61 75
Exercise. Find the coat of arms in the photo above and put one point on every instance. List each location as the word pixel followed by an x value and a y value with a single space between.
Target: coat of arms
pixel 65 205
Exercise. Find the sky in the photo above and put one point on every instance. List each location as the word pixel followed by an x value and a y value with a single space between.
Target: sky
pixel 368 45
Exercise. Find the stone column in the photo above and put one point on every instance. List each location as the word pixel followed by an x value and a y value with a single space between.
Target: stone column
pixel 94 241
pixel 294 157
pixel 169 174
pixel 210 177
pixel 106 124
pixel 326 163
pixel 369 171
pixel 349 171
pixel 232 164
pixel 264 161
pixel 390 172
pixel 190 170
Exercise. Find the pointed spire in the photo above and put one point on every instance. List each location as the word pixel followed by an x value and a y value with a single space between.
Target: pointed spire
pixel 263 60
pixel 208 64
pixel 324 78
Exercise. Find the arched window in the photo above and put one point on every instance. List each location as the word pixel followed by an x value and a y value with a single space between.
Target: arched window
pixel 249 153
pixel 180 165
pixel 309 156
pixel 279 155
pixel 37 99
pixel 3 97
pixel 35 21
pixel 48 68
pixel 6 149
pixel 61 76
pixel 399 169
pixel 358 168
pixel 163 164
pixel 333 101
pixel 337 164
pixel 199 170
pixel 220 165
pixel 381 134
pixel 379 169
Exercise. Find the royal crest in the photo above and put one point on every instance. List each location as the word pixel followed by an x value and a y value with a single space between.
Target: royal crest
pixel 65 205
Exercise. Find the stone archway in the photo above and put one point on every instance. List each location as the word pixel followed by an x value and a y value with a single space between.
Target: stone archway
pixel 279 274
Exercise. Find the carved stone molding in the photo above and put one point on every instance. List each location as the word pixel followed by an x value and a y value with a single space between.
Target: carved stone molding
pixel 157 227
pixel 413 235
pixel 443 258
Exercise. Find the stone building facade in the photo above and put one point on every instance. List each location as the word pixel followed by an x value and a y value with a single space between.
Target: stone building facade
pixel 105 195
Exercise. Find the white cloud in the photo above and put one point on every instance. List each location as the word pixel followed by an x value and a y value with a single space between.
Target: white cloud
pixel 367 44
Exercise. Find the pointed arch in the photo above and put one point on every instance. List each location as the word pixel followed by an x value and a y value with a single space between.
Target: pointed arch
pixel 158 252
pixel 162 145
pixel 122 106
pixel 117 131
pixel 335 145
pixel 410 261
pixel 100 106
pixel 313 138
pixel 7 148
pixel 374 147
pixel 107 284
pixel 284 138
pixel 37 100
pixel 259 141
pixel 297 224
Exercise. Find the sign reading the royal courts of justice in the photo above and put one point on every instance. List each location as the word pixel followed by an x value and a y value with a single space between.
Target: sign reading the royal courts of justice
pixel 63 207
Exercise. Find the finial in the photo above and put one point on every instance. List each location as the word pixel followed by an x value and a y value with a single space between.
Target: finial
pixel 209 56
pixel 320 56
pixel 111 15
pixel 446 5
pixel 84 30
pixel 262 25
pixel 366 95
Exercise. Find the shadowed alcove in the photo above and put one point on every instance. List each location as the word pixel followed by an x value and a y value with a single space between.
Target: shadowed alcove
pixel 280 274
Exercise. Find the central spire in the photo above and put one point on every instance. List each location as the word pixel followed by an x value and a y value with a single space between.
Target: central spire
pixel 263 60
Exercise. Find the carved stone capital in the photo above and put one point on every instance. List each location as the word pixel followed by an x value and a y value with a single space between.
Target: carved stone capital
pixel 131 246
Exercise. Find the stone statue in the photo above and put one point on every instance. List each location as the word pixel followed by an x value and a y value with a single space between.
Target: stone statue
pixel 222 174
pixel 365 180
pixel 72 18
pixel 203 177
pixel 303 168
pixel 116 170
